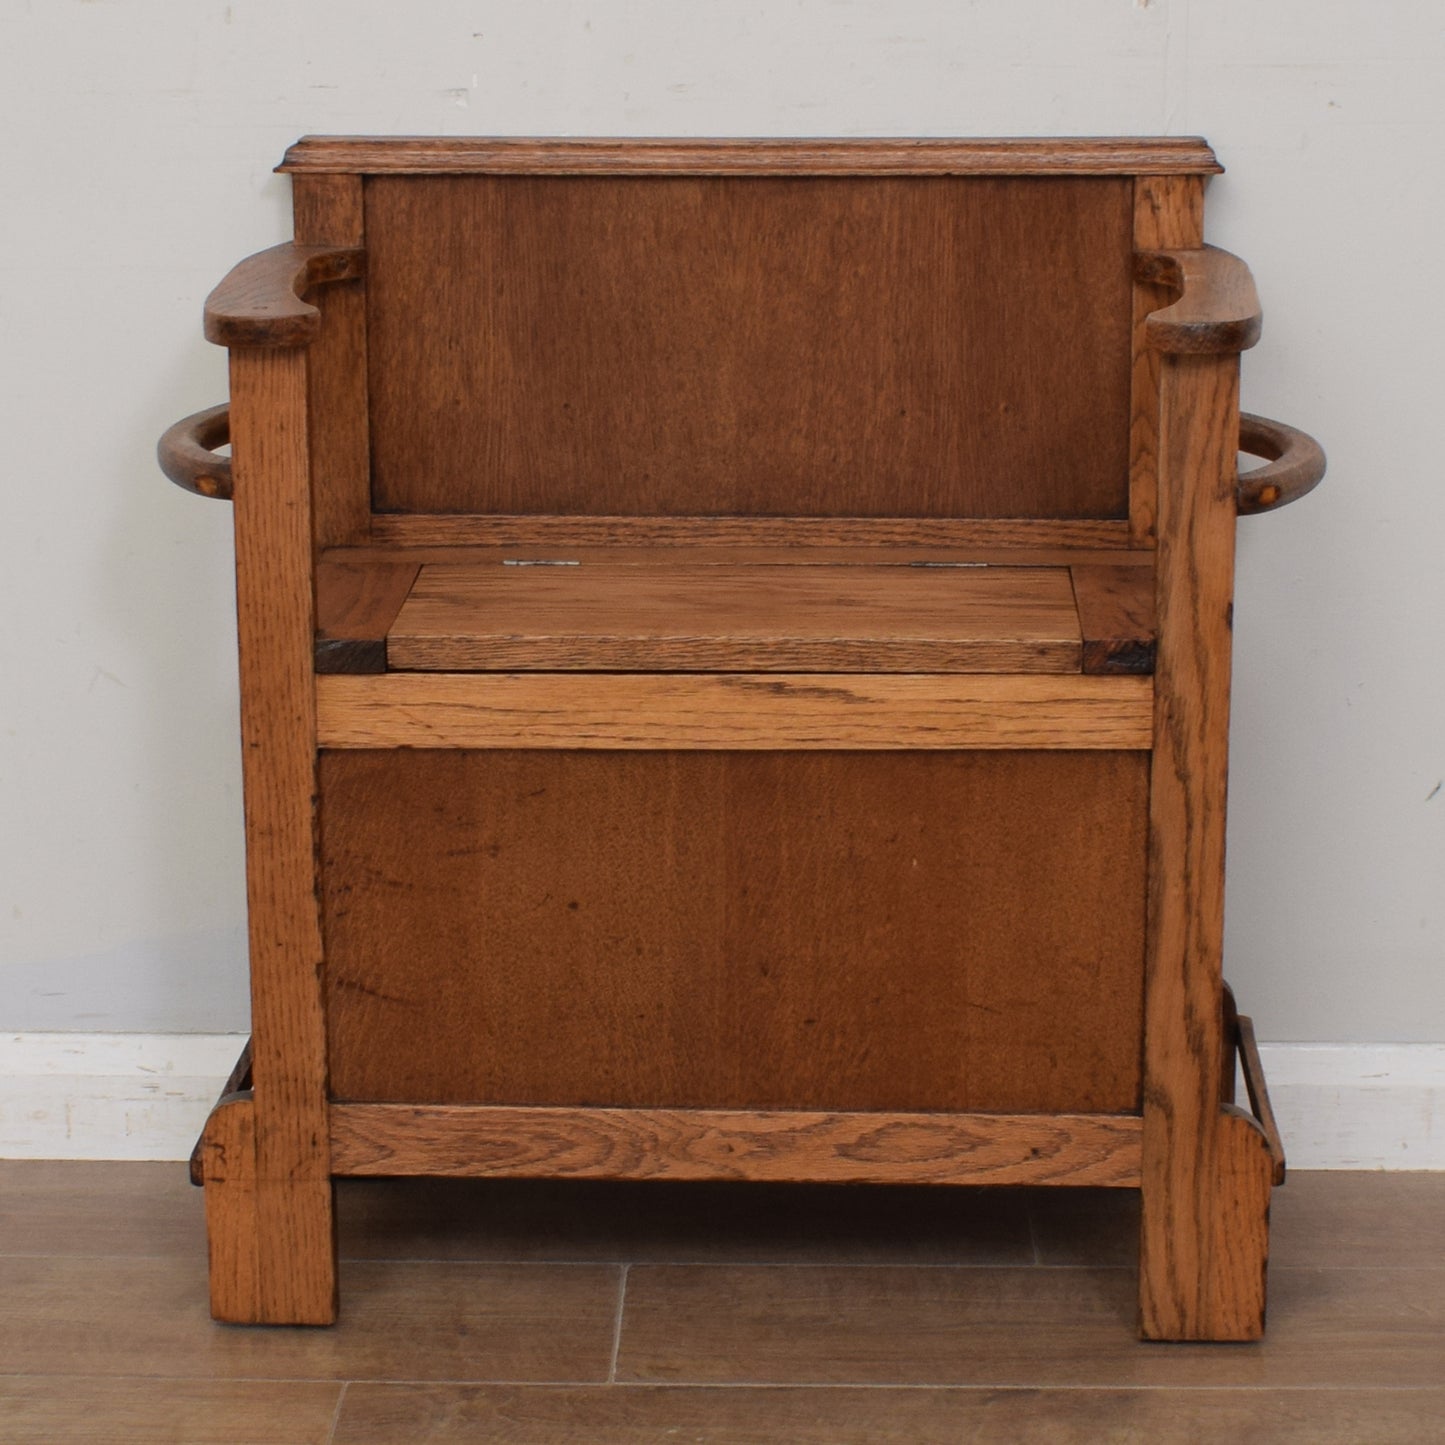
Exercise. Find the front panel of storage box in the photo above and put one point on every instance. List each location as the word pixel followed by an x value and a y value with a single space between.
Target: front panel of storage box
pixel 889 930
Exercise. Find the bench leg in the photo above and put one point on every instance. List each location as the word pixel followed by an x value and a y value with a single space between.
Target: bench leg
pixel 1204 1279
pixel 272 1241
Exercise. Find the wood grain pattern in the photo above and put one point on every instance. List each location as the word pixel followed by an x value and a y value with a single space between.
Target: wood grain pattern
pixel 356 605
pixel 187 456
pixel 895 922
pixel 1068 155
pixel 1195 1170
pixel 228 1170
pixel 673 617
pixel 443 530
pixel 328 212
pixel 805 711
pixel 1116 618
pixel 294 1265
pixel 794 346
pixel 1296 466
pixel 780 1146
pixel 1217 311
pixel 742 930
pixel 1168 215
pixel 1237 1246
pixel 259 302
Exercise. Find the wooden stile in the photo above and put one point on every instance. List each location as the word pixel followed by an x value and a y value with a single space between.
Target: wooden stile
pixel 281 1213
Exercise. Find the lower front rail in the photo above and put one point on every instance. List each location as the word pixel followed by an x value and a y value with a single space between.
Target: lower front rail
pixel 699 1144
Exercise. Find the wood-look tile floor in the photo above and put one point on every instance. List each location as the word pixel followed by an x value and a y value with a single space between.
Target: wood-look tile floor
pixel 552 1313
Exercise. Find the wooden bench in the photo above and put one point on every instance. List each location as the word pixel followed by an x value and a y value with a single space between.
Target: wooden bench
pixel 735 650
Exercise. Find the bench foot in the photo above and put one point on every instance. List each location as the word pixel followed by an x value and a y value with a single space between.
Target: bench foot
pixel 1212 1286
pixel 272 1242
pixel 1206 1280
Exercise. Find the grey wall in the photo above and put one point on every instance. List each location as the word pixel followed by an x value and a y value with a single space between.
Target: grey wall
pixel 137 169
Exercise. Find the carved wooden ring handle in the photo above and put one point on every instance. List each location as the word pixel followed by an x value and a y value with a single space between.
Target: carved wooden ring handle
pixel 1296 464
pixel 187 453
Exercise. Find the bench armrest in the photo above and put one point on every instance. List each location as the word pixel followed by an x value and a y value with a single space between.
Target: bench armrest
pixel 1217 311
pixel 260 301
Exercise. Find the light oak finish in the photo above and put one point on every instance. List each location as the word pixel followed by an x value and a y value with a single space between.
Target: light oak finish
pixel 671 618
pixel 744 844
pixel 474 155
pixel 1236 1248
pixel 1203 1236
pixel 732 710
pixel 272 1251
pixel 780 1146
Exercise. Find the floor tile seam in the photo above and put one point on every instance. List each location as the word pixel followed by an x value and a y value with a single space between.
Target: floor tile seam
pixel 617 1325
pixel 1009 1387
pixel 334 1381
pixel 336 1412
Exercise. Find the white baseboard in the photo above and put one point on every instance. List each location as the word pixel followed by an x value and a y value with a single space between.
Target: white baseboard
pixel 146 1096
pixel 1358 1106
pixel 109 1096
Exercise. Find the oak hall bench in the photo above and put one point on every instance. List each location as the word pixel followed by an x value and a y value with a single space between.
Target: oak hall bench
pixel 735 658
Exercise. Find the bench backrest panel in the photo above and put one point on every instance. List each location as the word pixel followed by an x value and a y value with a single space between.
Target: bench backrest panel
pixel 867 346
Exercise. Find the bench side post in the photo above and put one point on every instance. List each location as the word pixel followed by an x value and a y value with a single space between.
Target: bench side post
pixel 268 1176
pixel 1206 1169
